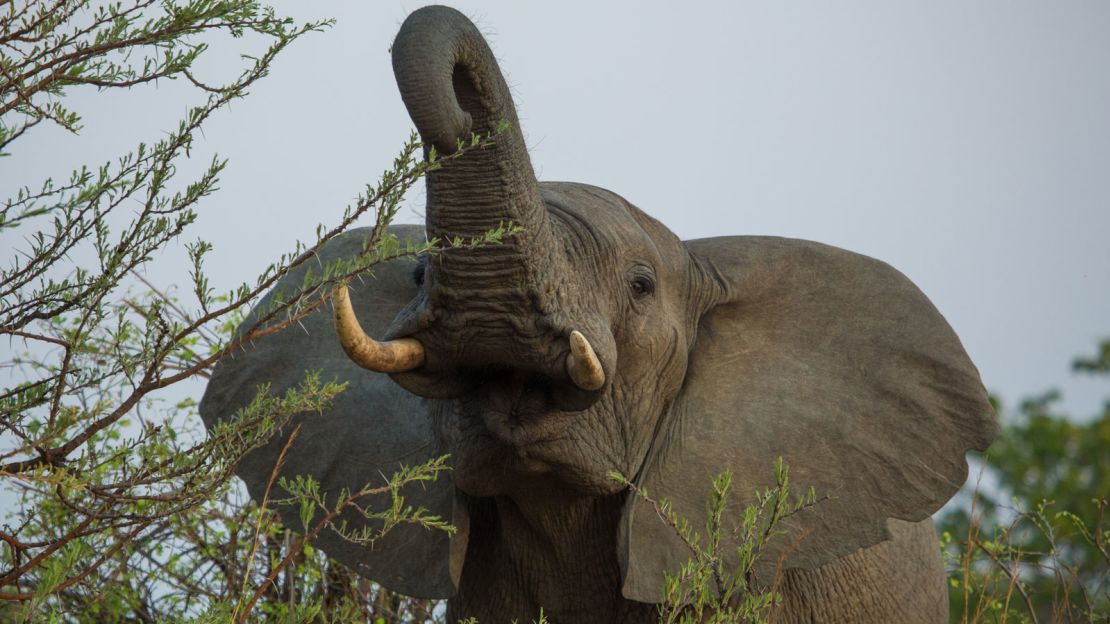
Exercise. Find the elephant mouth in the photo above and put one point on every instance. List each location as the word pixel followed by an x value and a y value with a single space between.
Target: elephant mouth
pixel 517 410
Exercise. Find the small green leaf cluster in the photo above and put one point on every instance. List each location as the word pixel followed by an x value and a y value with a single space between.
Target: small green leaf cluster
pixel 318 511
pixel 718 584
pixel 50 47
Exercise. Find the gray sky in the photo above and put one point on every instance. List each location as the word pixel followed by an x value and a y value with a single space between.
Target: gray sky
pixel 965 143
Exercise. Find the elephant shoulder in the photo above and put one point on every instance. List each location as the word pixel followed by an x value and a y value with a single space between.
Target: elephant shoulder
pixel 899 580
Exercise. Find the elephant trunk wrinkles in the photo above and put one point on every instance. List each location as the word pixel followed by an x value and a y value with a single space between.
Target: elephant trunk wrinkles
pixel 452 86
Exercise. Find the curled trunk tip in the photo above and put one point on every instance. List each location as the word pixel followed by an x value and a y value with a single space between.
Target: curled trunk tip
pixel 447 75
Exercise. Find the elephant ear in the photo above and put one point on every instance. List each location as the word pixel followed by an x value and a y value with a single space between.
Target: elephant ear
pixel 371 429
pixel 835 362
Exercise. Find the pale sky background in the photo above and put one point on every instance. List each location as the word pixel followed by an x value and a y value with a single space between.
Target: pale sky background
pixel 965 143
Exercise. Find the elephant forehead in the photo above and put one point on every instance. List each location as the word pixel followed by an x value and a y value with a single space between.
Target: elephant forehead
pixel 604 219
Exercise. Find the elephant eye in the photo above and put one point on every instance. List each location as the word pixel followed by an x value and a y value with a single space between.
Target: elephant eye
pixel 641 286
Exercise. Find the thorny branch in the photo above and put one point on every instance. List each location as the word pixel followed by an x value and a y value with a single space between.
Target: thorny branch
pixel 98 478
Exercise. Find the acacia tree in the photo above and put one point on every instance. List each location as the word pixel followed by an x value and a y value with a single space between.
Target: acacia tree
pixel 124 509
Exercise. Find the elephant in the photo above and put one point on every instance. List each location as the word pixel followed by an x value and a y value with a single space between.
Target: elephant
pixel 594 340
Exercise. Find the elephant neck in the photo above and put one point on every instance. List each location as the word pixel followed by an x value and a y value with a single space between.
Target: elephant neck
pixel 560 554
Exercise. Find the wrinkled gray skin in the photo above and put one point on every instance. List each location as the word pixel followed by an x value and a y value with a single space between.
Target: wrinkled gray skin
pixel 718 353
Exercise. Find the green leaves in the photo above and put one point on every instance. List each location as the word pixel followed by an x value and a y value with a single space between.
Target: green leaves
pixel 1099 363
pixel 107 473
pixel 52 47
pixel 715 584
pixel 317 511
pixel 1034 543
pixel 126 507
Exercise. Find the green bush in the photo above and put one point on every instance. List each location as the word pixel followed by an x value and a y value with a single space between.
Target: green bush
pixel 125 508
pixel 1038 548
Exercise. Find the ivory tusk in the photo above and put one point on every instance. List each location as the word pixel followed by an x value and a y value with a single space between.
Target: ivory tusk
pixel 582 364
pixel 393 356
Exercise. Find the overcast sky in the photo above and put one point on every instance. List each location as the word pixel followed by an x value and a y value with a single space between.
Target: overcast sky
pixel 965 143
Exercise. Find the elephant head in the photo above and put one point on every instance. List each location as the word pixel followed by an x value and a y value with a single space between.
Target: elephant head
pixel 595 340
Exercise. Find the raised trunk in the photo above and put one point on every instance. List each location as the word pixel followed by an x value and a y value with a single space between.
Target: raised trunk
pixel 452 87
